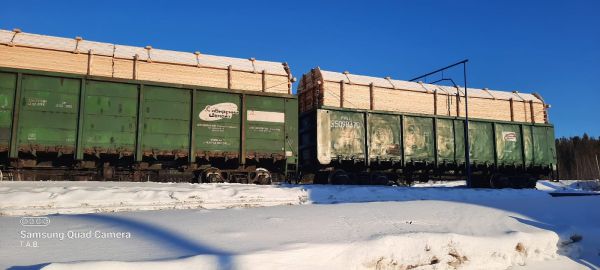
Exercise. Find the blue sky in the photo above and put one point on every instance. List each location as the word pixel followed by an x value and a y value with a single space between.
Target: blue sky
pixel 549 47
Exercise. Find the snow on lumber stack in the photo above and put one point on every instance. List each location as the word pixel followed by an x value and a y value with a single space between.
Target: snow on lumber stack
pixel 326 88
pixel 79 56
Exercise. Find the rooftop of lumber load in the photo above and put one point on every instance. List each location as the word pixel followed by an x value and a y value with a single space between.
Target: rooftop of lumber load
pixel 26 46
pixel 387 82
pixel 343 89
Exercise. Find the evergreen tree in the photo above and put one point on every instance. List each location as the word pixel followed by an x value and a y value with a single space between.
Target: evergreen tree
pixel 578 157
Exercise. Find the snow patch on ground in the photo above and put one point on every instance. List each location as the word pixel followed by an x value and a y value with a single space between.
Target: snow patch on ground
pixel 406 251
pixel 570 186
pixel 44 198
pixel 434 225
pixel 62 197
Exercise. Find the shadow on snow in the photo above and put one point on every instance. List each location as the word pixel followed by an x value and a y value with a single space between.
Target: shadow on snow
pixel 154 234
pixel 543 211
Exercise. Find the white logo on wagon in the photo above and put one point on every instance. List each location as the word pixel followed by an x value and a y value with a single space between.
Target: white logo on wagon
pixel 509 136
pixel 218 111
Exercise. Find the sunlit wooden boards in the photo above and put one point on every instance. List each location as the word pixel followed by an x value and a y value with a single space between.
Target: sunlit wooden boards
pixel 78 56
pixel 320 88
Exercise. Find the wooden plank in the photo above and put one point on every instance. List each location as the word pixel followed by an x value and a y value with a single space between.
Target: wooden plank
pixel 135 61
pixel 342 94
pixel 107 66
pixel 315 93
pixel 90 60
pixel 532 111
pixel 264 81
pixel 512 110
pixel 229 76
pixel 457 104
pixel 371 104
pixel 435 102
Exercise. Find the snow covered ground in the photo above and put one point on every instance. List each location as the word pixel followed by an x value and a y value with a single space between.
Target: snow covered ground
pixel 58 197
pixel 43 198
pixel 429 226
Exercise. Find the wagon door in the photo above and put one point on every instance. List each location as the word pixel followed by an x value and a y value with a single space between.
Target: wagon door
pixel 340 136
pixel 265 127
pixel 217 124
pixel 48 114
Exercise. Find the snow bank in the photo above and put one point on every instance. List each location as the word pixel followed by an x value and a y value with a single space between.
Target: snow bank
pixel 406 251
pixel 432 226
pixel 43 198
pixel 62 197
pixel 569 185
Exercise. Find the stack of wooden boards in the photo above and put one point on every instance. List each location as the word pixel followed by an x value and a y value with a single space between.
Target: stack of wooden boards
pixel 78 56
pixel 344 90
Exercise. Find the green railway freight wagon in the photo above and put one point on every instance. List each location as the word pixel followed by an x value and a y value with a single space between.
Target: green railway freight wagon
pixel 66 126
pixel 374 147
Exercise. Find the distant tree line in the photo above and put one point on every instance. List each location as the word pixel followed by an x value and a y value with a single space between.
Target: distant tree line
pixel 578 157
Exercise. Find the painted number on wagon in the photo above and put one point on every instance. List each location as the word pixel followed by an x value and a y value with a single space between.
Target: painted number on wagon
pixel 344 124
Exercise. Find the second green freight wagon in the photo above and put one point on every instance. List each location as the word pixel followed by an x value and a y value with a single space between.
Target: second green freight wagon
pixel 370 147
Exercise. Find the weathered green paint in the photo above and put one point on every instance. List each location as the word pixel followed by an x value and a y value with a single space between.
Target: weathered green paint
pixel 459 139
pixel 79 139
pixel 243 124
pixel 543 145
pixel 103 117
pixel 509 144
pixel 552 145
pixel 340 134
pixel 481 140
pixel 48 112
pixel 384 137
pixel 139 134
pixel 528 143
pixel 110 116
pixel 217 122
pixel 291 129
pixel 192 129
pixel 13 151
pixel 445 140
pixel 8 84
pixel 265 125
pixel 165 119
pixel 418 139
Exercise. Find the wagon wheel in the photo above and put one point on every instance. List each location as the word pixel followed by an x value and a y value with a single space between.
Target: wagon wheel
pixel 481 181
pixel 531 182
pixel 338 177
pixel 524 181
pixel 212 175
pixel 499 181
pixel 379 178
pixel 260 176
pixel 108 172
